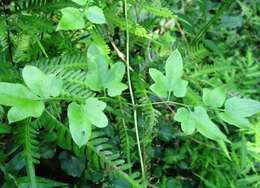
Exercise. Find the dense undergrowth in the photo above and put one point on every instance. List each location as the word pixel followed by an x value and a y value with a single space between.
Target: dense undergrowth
pixel 131 93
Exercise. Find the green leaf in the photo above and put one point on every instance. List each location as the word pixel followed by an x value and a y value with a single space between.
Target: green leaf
pixel 172 82
pixel 26 109
pixel 113 79
pixel 79 124
pixel 95 15
pixel 242 107
pixel 160 85
pixel 71 19
pixel 22 101
pixel 82 117
pixel 180 87
pixel 41 84
pixel 214 98
pixel 232 119
pixel 99 77
pixel 205 126
pixel 174 67
pixel 185 118
pixel 94 111
pixel 80 2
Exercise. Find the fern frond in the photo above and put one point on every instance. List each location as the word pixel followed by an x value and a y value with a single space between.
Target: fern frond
pixel 26 136
pixel 98 150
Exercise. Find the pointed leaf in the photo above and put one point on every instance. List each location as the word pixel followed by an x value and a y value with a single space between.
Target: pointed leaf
pixel 232 119
pixel 185 118
pixel 80 126
pixel 242 107
pixel 160 85
pixel 94 112
pixel 41 84
pixel 95 15
pixel 71 19
pixel 114 78
pixel 174 67
pixel 97 68
pixel 205 126
pixel 214 98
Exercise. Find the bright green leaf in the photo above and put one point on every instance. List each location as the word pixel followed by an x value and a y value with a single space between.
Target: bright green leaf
pixel 95 15
pixel 99 77
pixel 242 107
pixel 71 19
pixel 185 118
pixel 113 79
pixel 172 82
pixel 174 67
pixel 94 112
pixel 205 126
pixel 80 2
pixel 160 85
pixel 214 98
pixel 180 87
pixel 41 84
pixel 232 119
pixel 79 124
pixel 22 101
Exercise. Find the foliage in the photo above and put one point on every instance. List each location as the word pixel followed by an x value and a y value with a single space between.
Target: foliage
pixel 129 93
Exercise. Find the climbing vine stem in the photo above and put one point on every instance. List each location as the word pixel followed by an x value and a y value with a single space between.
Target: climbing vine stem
pixel 131 92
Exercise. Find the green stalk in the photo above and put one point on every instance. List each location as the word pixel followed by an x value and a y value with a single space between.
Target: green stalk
pixel 132 94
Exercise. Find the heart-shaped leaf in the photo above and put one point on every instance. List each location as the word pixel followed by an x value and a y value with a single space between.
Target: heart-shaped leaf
pixel 95 15
pixel 41 84
pixel 23 102
pixel 172 81
pixel 71 19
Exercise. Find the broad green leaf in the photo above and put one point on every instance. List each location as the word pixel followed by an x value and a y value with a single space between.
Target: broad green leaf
pixel 160 85
pixel 235 120
pixel 242 107
pixel 23 102
pixel 97 68
pixel 205 126
pixel 180 87
pixel 15 94
pixel 41 84
pixel 79 124
pixel 174 67
pixel 185 118
pixel 71 19
pixel 99 77
pixel 113 79
pixel 172 82
pixel 214 98
pixel 95 15
pixel 94 112
pixel 26 109
pixel 80 2
pixel 24 182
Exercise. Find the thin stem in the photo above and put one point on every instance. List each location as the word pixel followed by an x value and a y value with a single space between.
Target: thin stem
pixel 131 92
